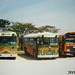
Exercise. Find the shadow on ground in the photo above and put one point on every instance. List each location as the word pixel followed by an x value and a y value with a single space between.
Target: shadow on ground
pixel 29 57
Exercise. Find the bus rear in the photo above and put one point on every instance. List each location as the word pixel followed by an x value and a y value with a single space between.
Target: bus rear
pixel 8 44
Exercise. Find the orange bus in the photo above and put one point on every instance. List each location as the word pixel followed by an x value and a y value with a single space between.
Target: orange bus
pixel 67 44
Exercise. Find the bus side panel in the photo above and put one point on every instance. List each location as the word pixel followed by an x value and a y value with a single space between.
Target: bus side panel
pixel 31 47
pixel 6 52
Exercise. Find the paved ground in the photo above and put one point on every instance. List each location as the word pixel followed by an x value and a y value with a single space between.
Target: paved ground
pixel 26 65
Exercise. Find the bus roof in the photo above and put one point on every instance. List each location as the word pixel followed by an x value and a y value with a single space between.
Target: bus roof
pixel 67 34
pixel 7 33
pixel 45 34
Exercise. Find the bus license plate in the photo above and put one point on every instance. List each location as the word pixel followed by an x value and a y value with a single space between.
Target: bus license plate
pixel 68 53
pixel 73 46
pixel 49 52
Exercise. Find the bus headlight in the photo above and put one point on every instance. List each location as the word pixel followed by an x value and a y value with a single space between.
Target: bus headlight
pixel 55 51
pixel 42 52
pixel 68 50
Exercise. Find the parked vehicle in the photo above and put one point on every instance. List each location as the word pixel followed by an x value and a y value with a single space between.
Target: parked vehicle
pixel 8 44
pixel 41 45
pixel 67 44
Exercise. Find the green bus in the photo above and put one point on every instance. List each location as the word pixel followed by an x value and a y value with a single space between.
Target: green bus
pixel 8 44
pixel 41 45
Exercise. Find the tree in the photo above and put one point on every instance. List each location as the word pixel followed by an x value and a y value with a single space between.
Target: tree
pixel 23 28
pixel 4 23
pixel 26 28
pixel 48 28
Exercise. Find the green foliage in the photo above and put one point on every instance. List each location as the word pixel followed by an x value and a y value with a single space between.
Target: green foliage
pixel 27 28
pixel 20 52
pixel 4 23
pixel 48 28
pixel 23 28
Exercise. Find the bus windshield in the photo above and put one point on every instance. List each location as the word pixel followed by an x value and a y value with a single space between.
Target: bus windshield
pixel 70 40
pixel 54 41
pixel 7 39
pixel 44 41
pixel 48 41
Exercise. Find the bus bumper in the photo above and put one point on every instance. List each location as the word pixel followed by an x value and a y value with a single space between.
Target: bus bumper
pixel 8 55
pixel 69 53
pixel 47 56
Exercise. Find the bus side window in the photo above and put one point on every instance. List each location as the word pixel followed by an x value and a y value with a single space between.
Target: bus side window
pixel 26 39
pixel 35 39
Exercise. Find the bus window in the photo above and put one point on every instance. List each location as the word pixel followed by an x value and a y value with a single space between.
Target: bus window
pixel 2 39
pixel 26 39
pixel 33 39
pixel 10 40
pixel 69 40
pixel 54 40
pixel 44 41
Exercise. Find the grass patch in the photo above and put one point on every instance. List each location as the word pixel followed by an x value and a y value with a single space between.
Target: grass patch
pixel 20 52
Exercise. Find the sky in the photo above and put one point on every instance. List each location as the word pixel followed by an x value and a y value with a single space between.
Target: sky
pixel 59 13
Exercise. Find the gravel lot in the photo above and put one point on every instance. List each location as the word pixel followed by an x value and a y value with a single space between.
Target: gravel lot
pixel 27 65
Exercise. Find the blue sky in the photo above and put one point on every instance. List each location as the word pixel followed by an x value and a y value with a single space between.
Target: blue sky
pixel 59 13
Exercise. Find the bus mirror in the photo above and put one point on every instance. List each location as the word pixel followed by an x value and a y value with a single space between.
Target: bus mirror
pixel 42 36
pixel 56 36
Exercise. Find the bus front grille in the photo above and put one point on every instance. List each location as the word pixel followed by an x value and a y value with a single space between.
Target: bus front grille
pixel 72 48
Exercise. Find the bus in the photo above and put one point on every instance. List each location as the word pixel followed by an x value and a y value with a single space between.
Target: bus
pixel 41 45
pixel 8 44
pixel 67 44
